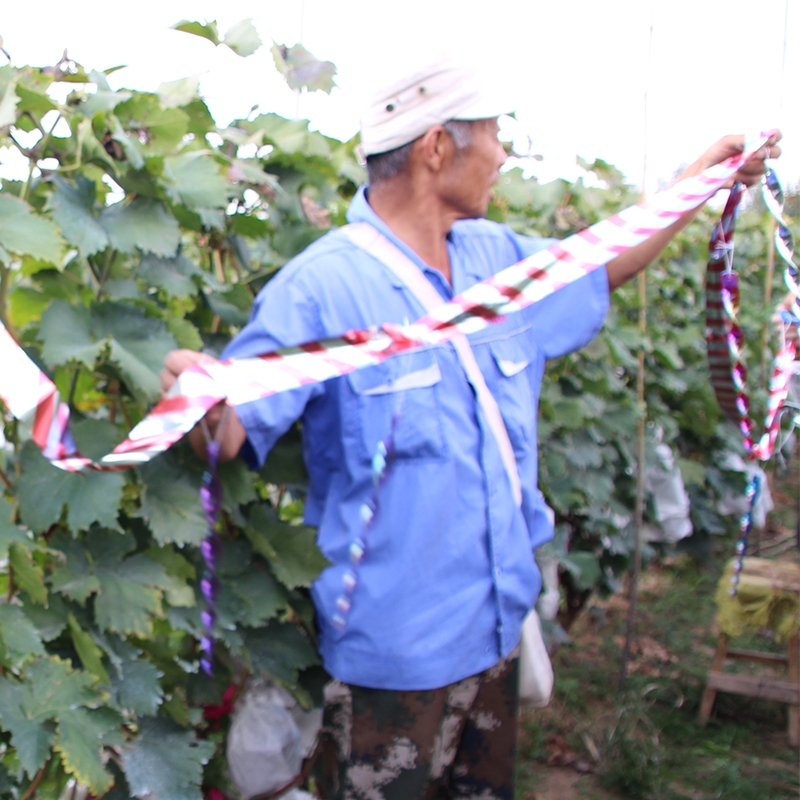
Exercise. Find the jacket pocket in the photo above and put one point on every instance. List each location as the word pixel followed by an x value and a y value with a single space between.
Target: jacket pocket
pixel 510 383
pixel 398 397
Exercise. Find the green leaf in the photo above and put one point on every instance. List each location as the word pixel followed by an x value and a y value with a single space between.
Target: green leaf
pixel 138 344
pixel 185 334
pixel 280 650
pixel 131 145
pixel 26 233
pixel 207 30
pixel 290 549
pixel 102 100
pixel 95 437
pixel 165 761
pixel 10 533
pixel 8 105
pixel 174 275
pixel 89 653
pixel 260 596
pixel 54 686
pixel 136 685
pixel 80 735
pixel 243 38
pixel 37 102
pixel 21 639
pixel 66 332
pixel 178 93
pixel 75 577
pixel 238 482
pixel 233 306
pixel 129 588
pixel 43 491
pixel 73 211
pixel 302 70
pixel 28 575
pixel 179 571
pixel 25 305
pixel 195 180
pixel 584 568
pixel 143 225
pixel 32 738
pixel 171 505
pixel 50 621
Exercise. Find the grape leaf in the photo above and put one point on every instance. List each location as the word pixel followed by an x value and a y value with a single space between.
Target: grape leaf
pixel 32 738
pixel 50 688
pixel 28 575
pixel 73 208
pixel 171 505
pixel 80 736
pixel 243 38
pixel 143 225
pixel 165 761
pixel 136 686
pixel 8 105
pixel 207 30
pixel 178 93
pixel 90 654
pixel 280 650
pixel 25 233
pixel 291 549
pixel 129 588
pixel 174 275
pixel 302 70
pixel 195 181
pixel 49 621
pixel 43 491
pixel 138 344
pixel 75 577
pixel 10 533
pixel 19 636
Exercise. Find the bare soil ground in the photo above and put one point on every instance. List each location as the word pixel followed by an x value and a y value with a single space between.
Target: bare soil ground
pixel 596 743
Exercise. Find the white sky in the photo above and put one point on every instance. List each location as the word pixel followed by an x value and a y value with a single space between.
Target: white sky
pixel 577 68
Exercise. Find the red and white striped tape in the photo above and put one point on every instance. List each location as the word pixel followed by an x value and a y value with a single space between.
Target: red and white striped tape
pixel 30 395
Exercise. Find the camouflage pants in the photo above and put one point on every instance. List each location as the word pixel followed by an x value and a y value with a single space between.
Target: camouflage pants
pixel 457 741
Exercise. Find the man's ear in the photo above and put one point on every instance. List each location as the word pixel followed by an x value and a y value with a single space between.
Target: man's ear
pixel 434 148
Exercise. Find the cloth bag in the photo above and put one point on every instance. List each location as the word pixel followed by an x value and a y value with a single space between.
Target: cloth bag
pixel 535 669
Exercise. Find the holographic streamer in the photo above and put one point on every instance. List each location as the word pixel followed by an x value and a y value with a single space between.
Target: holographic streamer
pixel 724 335
pixel 211 496
pixel 745 526
pixel 28 393
pixel 381 462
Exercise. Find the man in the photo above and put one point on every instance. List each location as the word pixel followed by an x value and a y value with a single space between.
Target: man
pixel 425 698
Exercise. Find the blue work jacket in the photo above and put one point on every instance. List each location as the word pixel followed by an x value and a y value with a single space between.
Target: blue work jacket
pixel 448 574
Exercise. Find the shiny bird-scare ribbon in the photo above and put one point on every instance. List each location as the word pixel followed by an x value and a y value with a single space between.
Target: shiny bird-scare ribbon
pixel 30 395
pixel 724 334
pixel 725 340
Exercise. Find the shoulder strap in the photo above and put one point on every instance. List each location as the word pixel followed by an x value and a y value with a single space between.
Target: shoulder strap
pixel 377 245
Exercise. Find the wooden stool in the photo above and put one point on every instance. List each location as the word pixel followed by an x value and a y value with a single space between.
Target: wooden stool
pixel 772 584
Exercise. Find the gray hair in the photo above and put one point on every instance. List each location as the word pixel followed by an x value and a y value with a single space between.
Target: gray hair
pixel 384 166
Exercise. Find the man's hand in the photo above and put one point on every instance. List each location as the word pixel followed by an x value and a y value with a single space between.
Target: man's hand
pixel 176 362
pixel 633 261
pixel 728 146
pixel 233 436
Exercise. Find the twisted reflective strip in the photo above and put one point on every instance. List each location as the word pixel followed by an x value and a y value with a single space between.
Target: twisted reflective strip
pixel 244 380
pixel 745 526
pixel 724 335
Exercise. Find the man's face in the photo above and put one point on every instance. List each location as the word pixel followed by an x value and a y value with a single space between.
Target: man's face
pixel 469 177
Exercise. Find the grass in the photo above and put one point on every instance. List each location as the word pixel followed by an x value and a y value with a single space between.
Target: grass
pixel 595 743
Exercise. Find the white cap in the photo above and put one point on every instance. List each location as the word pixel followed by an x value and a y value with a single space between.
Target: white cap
pixel 432 96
